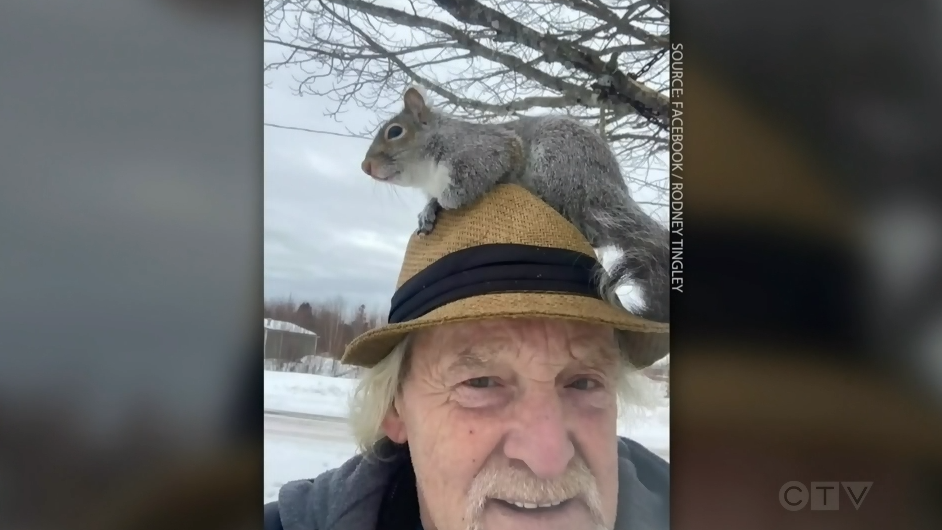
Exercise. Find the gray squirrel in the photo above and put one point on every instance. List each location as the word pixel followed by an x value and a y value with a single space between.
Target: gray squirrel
pixel 568 165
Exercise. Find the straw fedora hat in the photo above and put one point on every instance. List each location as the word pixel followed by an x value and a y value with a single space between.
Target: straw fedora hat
pixel 508 255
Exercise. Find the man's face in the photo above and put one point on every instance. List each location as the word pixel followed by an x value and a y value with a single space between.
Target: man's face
pixel 512 425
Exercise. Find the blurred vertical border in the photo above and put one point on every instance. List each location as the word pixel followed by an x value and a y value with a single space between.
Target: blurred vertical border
pixel 811 316
pixel 130 264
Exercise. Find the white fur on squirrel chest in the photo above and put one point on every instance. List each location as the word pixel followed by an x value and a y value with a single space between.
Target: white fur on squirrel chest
pixel 428 176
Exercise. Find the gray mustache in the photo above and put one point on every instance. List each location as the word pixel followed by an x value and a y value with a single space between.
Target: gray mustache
pixel 514 484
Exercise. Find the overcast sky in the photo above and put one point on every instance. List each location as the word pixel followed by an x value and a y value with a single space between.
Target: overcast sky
pixel 330 230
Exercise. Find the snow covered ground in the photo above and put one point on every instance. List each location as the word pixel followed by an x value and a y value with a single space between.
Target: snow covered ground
pixel 307 393
pixel 306 432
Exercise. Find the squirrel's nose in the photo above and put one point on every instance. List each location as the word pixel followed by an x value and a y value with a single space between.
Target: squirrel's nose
pixel 365 166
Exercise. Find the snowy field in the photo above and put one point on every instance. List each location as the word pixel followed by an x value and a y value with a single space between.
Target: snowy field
pixel 305 431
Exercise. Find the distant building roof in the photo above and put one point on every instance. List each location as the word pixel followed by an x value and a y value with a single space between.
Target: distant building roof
pixel 281 325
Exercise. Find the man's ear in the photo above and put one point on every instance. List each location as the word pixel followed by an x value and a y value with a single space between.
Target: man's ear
pixel 415 104
pixel 393 425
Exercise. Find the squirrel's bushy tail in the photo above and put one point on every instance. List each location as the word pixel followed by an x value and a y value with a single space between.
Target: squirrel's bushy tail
pixel 643 247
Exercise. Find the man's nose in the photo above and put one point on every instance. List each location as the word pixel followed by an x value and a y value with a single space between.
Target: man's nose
pixel 367 167
pixel 540 437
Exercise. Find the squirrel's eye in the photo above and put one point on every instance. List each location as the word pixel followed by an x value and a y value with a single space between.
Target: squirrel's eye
pixel 393 132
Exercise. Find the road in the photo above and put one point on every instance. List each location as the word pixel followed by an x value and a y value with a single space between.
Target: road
pixel 307 427
pixel 299 446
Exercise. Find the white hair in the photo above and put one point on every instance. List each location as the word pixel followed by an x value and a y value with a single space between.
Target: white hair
pixel 375 394
pixel 377 390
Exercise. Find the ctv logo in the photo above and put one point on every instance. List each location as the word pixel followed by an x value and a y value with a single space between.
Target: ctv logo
pixel 796 496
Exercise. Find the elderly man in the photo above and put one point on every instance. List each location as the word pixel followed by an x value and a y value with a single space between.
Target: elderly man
pixel 493 393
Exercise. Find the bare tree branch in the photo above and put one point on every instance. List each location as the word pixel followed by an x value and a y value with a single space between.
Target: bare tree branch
pixel 560 51
pixel 303 129
pixel 602 62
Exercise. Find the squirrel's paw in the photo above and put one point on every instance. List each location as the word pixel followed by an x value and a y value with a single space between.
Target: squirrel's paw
pixel 427 219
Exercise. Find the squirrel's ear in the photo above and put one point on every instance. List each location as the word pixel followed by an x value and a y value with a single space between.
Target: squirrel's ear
pixel 415 104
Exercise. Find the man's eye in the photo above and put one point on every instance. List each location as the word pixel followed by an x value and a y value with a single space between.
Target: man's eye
pixel 585 383
pixel 481 382
pixel 393 132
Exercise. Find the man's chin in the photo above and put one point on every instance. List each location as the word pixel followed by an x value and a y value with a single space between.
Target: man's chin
pixel 570 515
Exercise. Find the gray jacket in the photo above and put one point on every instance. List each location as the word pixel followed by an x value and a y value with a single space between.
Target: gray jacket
pixel 379 494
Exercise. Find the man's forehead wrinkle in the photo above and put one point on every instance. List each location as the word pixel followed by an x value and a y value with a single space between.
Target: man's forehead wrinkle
pixel 485 343
pixel 453 337
pixel 602 362
pixel 478 355
pixel 593 350
pixel 443 343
